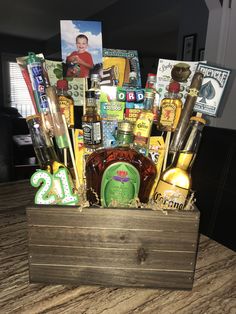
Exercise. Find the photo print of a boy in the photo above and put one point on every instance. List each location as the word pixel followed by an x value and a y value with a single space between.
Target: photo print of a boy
pixel 81 46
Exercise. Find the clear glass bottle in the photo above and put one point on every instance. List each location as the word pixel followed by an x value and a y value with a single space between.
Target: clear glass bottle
pixel 66 102
pixel 46 154
pixel 143 124
pixel 151 81
pixel 42 143
pixel 95 86
pixel 151 84
pixel 170 109
pixel 58 125
pixel 175 182
pixel 91 123
pixel 133 79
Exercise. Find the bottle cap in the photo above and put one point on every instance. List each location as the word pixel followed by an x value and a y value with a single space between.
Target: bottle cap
pixel 203 121
pixel 133 74
pixel 125 125
pixel 32 58
pixel 151 77
pixel 90 94
pixel 95 76
pixel 174 87
pixel 62 84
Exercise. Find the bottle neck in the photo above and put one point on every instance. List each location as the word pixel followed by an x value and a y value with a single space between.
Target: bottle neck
pixel 95 84
pixel 148 103
pixel 184 160
pixel 62 92
pixel 185 156
pixel 91 106
pixel 172 95
pixel 42 144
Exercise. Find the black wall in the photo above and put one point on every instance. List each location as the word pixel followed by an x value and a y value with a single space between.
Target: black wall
pixel 214 174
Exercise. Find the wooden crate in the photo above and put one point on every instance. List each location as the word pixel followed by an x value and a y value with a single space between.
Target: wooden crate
pixel 112 247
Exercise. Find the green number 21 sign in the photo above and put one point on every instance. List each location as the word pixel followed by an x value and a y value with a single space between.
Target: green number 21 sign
pixel 53 189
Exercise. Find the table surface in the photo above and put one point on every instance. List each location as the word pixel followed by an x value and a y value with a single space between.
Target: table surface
pixel 214 289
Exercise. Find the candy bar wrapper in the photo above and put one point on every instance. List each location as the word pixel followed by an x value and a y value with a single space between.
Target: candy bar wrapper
pixel 109 129
pixel 54 70
pixel 156 153
pixel 132 114
pixel 110 107
pixel 117 64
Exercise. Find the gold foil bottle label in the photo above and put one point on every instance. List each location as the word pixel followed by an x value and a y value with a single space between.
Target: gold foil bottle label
pixel 169 196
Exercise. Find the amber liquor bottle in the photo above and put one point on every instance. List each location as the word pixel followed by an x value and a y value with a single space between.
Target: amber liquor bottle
pixel 66 102
pixel 117 176
pixel 91 123
pixel 170 109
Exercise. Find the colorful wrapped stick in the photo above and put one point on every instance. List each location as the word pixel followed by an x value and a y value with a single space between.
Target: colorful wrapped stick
pixel 35 69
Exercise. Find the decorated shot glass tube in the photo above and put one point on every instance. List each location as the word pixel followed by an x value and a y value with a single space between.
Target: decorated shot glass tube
pixel 42 143
pixel 35 69
pixel 57 121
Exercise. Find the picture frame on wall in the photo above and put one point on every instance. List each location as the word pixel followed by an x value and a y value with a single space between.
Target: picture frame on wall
pixel 201 54
pixel 189 44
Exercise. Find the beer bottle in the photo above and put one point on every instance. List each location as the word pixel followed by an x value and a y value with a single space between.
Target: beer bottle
pixel 175 182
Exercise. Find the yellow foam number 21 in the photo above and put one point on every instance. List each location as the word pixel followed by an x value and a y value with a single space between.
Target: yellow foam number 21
pixel 45 181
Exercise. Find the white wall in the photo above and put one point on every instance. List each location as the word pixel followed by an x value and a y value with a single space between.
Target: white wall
pixel 221 49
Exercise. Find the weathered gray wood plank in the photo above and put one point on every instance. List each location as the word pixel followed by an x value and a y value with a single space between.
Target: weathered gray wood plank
pixel 107 276
pixel 112 238
pixel 139 258
pixel 110 218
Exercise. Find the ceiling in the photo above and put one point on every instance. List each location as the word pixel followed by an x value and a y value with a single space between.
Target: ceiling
pixel 144 25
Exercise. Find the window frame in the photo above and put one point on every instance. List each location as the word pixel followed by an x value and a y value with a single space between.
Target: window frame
pixel 6 83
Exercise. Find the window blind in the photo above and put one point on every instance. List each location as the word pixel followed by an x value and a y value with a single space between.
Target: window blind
pixel 19 95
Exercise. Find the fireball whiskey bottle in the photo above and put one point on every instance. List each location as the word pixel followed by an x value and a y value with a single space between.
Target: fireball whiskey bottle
pixel 117 176
pixel 175 182
pixel 170 109
pixel 66 102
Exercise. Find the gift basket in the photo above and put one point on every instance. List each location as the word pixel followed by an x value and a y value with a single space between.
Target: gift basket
pixel 114 203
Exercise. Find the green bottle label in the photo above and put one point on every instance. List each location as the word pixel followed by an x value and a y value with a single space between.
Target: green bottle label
pixel 120 185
